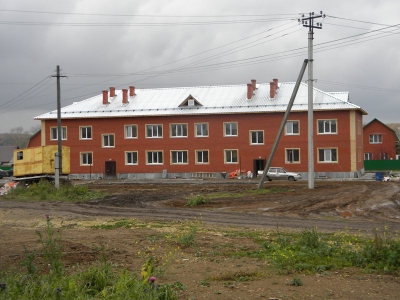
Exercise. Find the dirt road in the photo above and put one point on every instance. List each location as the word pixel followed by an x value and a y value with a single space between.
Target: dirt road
pixel 331 206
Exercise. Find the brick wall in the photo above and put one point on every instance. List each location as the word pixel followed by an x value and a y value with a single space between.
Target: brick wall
pixel 215 143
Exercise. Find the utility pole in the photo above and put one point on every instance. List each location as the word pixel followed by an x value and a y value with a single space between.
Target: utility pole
pixel 285 117
pixel 309 22
pixel 58 159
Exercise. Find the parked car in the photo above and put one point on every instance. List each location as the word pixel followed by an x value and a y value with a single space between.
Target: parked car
pixel 3 174
pixel 10 172
pixel 279 173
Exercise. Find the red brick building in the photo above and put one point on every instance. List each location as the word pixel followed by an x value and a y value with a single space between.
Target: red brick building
pixel 206 131
pixel 379 141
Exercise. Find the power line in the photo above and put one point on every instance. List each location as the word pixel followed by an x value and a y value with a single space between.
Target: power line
pixel 148 24
pixel 23 95
pixel 138 15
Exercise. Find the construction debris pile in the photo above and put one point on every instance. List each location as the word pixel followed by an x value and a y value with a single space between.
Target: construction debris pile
pixel 7 187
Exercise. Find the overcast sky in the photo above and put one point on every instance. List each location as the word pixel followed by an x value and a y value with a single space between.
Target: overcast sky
pixel 171 43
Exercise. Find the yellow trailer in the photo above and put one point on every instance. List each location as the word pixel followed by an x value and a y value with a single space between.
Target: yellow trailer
pixel 36 161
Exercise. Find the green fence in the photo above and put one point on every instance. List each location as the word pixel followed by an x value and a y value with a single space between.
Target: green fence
pixel 381 165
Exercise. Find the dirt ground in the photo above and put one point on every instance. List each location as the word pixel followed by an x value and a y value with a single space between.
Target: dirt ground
pixel 157 207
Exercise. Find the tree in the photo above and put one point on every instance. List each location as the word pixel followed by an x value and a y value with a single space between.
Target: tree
pixel 17 137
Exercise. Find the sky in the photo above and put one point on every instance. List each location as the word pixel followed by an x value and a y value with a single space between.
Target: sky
pixel 160 44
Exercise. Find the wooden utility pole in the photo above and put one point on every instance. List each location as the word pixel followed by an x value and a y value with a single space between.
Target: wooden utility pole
pixel 58 159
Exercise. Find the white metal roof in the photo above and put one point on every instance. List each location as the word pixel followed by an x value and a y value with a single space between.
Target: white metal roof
pixel 228 99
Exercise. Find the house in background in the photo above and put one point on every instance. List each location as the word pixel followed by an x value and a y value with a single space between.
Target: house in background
pixel 7 156
pixel 206 132
pixel 380 141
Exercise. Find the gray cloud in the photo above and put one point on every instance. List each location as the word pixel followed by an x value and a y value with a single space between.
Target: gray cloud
pixel 368 70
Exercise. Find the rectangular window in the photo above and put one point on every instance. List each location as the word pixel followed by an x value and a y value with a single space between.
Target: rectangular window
pixel 257 137
pixel 179 130
pixel 108 141
pixel 292 128
pixel 86 158
pixel 54 133
pixel 85 132
pixel 201 130
pixel 154 157
pixel 231 156
pixel 327 126
pixel 368 156
pixel 292 155
pixel 20 155
pixel 154 131
pixel 130 131
pixel 327 155
pixel 202 157
pixel 179 157
pixel 375 139
pixel 384 156
pixel 131 158
pixel 230 129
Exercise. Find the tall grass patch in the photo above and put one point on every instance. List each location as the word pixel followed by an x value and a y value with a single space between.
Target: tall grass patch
pixel 45 190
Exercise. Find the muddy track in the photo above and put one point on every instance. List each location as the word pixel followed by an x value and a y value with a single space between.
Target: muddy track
pixel 222 218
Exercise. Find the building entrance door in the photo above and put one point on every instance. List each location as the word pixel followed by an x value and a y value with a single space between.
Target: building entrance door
pixel 111 169
pixel 258 164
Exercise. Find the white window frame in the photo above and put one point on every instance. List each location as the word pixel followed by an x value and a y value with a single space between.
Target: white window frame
pixel 229 158
pixel 129 132
pixel 368 156
pixel 85 129
pixel 54 133
pixel 257 134
pixel 328 155
pixel 179 130
pixel 201 130
pixel 84 158
pixel 287 156
pixel 179 157
pixel 127 158
pixel 205 157
pixel 230 128
pixel 329 123
pixel 290 128
pixel 157 156
pixel 20 155
pixel 108 140
pixel 156 131
pixel 376 138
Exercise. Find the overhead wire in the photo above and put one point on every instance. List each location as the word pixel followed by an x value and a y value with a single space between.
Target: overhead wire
pixel 249 61
pixel 137 15
pixel 12 102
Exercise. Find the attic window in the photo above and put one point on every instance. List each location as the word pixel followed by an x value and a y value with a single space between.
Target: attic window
pixel 190 101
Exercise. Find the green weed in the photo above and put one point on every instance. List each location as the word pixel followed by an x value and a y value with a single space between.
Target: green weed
pixel 196 200
pixel 296 281
pixel 45 190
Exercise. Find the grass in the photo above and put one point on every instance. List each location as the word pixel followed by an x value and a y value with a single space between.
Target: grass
pixel 99 281
pixel 305 252
pixel 44 190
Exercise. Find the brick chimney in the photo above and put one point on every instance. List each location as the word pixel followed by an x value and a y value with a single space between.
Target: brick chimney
pixel 253 82
pixel 275 80
pixel 131 91
pixel 105 97
pixel 272 90
pixel 125 96
pixel 112 92
pixel 249 91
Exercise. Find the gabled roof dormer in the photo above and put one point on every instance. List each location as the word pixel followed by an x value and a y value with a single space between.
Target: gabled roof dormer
pixel 190 101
